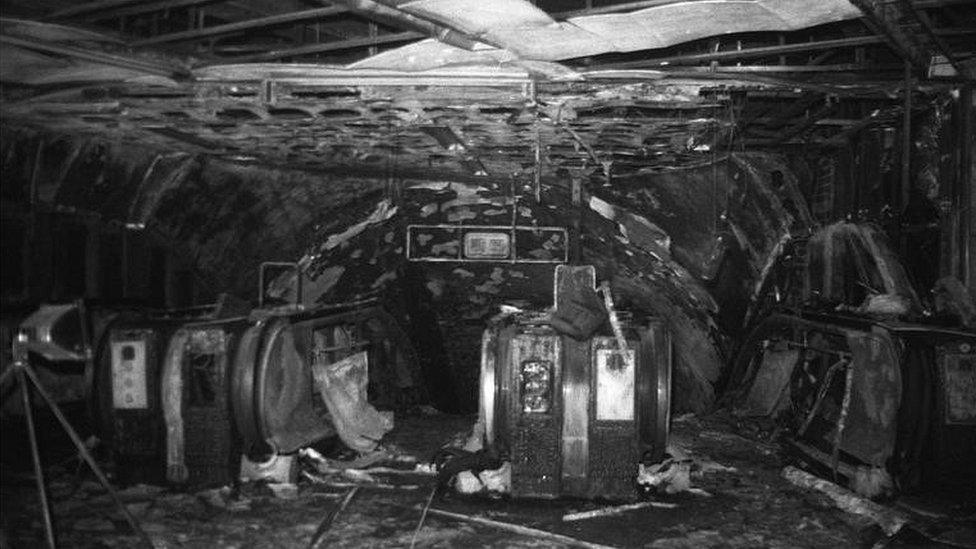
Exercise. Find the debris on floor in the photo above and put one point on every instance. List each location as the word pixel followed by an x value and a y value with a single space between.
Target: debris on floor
pixel 751 505
pixel 342 385
pixel 889 520
pixel 616 510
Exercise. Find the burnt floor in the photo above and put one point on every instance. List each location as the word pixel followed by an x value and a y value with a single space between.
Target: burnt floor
pixel 741 501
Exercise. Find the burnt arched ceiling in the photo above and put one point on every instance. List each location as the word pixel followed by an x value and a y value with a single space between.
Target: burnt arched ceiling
pixel 669 241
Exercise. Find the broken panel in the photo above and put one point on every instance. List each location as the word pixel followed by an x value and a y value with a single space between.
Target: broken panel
pixel 479 243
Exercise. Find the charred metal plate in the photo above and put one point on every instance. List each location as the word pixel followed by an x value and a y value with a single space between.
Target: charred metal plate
pixel 129 377
pixel 480 243
pixel 875 397
pixel 958 364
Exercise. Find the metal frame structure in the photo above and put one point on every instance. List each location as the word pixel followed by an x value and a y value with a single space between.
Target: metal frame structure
pixel 357 28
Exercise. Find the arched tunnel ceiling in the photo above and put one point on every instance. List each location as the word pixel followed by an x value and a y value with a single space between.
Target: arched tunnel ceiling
pixel 647 233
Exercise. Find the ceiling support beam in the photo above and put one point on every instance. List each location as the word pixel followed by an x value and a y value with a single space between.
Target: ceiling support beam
pixel 161 7
pixel 929 4
pixel 231 28
pixel 764 51
pixel 105 9
pixel 614 8
pixel 884 19
pixel 840 67
pixel 337 45
pixel 381 13
pixel 940 44
pixel 643 4
pixel 96 56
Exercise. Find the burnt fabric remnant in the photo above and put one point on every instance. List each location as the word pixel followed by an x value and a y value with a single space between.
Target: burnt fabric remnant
pixel 412 273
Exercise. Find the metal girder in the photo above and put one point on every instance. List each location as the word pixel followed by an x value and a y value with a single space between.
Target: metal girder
pixel 886 19
pixel 643 4
pixel 96 56
pixel 763 51
pixel 613 8
pixel 140 9
pixel 378 11
pixel 939 43
pixel 231 28
pixel 112 8
pixel 330 46
pixel 927 4
pixel 839 67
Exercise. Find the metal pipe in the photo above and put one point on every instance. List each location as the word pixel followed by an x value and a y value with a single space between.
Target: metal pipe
pixel 378 11
pixel 330 46
pixel 35 453
pixel 762 51
pixel 91 55
pixel 230 28
pixel 86 455
pixel 107 9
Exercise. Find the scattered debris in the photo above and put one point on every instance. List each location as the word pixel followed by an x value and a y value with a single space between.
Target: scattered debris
pixel 519 529
pixel 360 476
pixel 423 516
pixel 284 490
pixel 384 459
pixel 889 520
pixel 330 480
pixel 616 510
pixel 278 468
pixel 426 469
pixel 497 480
pixel 343 388
pixel 669 477
pixel 872 482
pixel 467 483
pixel 330 518
pixel 216 497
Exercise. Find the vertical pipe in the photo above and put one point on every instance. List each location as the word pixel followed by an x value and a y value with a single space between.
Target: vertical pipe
pixel 35 453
